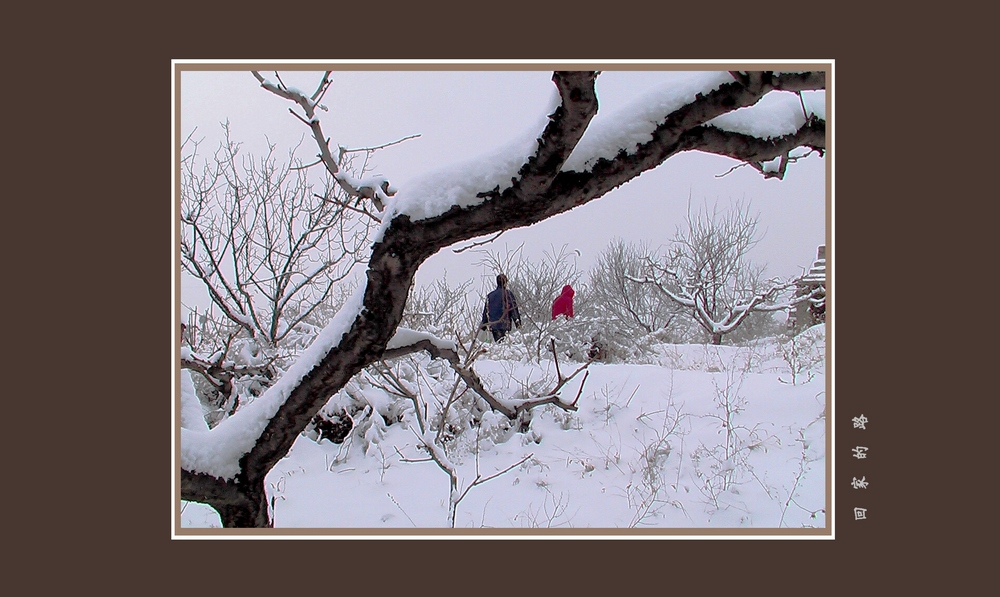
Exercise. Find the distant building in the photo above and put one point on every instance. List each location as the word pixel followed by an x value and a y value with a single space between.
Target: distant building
pixel 813 311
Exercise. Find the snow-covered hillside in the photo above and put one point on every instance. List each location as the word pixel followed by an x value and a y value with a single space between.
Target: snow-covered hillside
pixel 701 437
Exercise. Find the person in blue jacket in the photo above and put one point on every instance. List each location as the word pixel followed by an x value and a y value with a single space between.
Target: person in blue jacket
pixel 500 310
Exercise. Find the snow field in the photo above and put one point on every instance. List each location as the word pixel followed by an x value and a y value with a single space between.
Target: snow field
pixel 650 446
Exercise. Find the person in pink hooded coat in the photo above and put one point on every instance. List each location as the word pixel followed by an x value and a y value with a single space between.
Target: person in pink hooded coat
pixel 563 305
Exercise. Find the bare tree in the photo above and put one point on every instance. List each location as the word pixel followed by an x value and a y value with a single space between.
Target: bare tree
pixel 269 248
pixel 710 274
pixel 266 246
pixel 442 310
pixel 541 188
pixel 636 308
pixel 437 424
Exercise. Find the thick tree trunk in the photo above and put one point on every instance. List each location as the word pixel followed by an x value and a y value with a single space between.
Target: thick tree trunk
pixel 240 504
pixel 717 339
pixel 251 513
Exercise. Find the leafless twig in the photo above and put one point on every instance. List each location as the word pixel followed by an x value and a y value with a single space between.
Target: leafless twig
pixel 377 147
pixel 479 243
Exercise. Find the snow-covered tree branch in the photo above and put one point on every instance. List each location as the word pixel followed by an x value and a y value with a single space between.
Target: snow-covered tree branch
pixel 376 189
pixel 710 275
pixel 225 467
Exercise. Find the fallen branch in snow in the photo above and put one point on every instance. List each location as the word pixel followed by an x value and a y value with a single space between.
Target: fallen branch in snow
pixel 512 409
pixel 219 372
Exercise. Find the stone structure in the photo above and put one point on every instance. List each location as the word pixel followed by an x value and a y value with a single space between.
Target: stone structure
pixel 813 311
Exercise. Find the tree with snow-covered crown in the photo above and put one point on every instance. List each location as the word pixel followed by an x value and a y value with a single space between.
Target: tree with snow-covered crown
pixel 709 273
pixel 225 467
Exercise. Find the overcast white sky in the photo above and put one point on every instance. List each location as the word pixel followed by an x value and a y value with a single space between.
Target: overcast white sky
pixel 462 114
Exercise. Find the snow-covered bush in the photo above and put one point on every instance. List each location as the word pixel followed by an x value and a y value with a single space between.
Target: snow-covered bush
pixel 649 486
pixel 804 354
pixel 442 310
pixel 629 309
pixel 234 374
pixel 722 467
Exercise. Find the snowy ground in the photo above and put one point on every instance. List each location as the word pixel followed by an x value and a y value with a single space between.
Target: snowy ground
pixel 651 446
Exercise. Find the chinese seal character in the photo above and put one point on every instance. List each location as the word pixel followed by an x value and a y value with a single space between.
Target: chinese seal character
pixel 859 422
pixel 859 513
pixel 860 452
pixel 859 483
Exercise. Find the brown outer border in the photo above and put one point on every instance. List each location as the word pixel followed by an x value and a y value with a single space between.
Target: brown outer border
pixel 87 101
pixel 827 532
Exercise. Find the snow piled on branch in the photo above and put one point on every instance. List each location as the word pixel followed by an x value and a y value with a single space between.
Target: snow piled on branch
pixel 777 113
pixel 634 124
pixel 435 193
pixel 192 415
pixel 217 452
pixel 408 337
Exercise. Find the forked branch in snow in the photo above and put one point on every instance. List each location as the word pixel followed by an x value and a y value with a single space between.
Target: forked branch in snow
pixel 432 443
pixel 479 480
pixel 562 381
pixel 512 409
